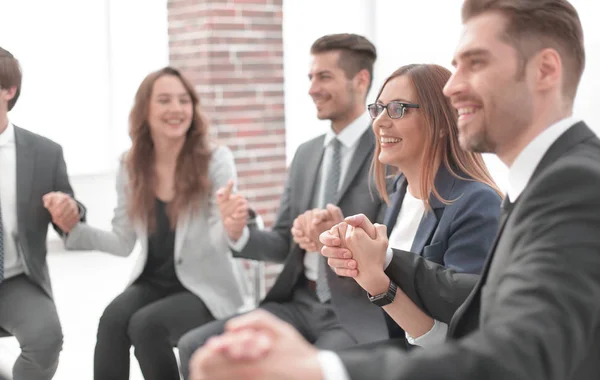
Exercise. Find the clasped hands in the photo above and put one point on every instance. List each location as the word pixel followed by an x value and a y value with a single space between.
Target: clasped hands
pixel 357 248
pixel 63 209
pixel 258 345
pixel 308 226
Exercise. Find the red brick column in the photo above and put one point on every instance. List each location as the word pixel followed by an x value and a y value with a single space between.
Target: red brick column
pixel 232 50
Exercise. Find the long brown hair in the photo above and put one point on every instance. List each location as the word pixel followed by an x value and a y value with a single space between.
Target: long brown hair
pixel 191 173
pixel 441 133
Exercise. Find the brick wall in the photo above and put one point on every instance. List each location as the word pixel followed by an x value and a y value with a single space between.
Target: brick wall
pixel 232 50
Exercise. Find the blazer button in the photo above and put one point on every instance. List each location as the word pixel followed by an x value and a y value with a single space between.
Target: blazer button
pixel 179 261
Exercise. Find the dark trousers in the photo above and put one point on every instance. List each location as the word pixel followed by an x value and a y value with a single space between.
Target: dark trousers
pixel 316 322
pixel 151 319
pixel 29 314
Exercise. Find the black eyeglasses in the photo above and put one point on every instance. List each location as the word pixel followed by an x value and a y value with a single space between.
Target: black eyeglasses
pixel 395 110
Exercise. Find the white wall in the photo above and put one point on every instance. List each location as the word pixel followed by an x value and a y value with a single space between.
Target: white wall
pixel 82 63
pixel 303 22
pixel 424 31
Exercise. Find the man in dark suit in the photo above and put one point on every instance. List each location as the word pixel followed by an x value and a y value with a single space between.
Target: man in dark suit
pixel 332 169
pixel 32 168
pixel 534 314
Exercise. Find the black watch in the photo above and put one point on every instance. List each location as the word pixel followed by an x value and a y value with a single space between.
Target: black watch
pixel 384 298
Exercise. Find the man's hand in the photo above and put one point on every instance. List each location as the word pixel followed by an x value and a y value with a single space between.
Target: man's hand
pixel 308 226
pixel 256 346
pixel 356 248
pixel 339 257
pixel 234 211
pixel 63 210
pixel 368 243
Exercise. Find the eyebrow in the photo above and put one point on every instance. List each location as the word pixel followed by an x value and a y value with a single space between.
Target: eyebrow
pixel 167 94
pixel 478 52
pixel 396 100
pixel 320 73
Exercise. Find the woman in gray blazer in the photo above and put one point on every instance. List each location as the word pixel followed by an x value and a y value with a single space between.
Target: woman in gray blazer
pixel 165 190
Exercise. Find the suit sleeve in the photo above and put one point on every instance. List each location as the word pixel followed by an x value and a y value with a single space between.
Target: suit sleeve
pixel 540 321
pixel 221 170
pixel 275 244
pixel 62 184
pixel 437 290
pixel 122 237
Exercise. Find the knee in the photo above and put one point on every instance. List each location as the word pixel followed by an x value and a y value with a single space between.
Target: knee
pixel 144 325
pixel 194 339
pixel 44 350
pixel 113 320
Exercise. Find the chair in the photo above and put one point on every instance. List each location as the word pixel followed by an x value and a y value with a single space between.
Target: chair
pixel 7 358
pixel 251 273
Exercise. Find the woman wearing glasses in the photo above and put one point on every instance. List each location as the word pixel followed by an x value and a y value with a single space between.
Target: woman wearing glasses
pixel 444 209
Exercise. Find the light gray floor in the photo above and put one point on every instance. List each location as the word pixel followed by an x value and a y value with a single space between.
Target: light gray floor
pixel 84 283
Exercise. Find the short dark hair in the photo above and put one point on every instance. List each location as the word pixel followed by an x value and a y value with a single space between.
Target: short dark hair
pixel 356 52
pixel 534 25
pixel 10 75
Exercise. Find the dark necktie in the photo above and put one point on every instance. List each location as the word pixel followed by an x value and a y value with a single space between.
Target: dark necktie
pixel 332 182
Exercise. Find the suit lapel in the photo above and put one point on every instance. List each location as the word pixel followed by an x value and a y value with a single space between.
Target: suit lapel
pixel 391 214
pixel 444 183
pixel 311 175
pixel 25 156
pixel 363 151
pixel 573 136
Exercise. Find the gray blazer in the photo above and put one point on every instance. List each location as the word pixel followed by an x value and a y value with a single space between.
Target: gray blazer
pixel 534 314
pixel 41 169
pixel 203 260
pixel 362 319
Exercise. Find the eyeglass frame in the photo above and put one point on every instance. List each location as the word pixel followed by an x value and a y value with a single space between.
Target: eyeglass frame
pixel 403 106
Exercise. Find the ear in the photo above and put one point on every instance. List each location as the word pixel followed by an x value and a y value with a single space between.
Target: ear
pixel 9 93
pixel 548 69
pixel 362 79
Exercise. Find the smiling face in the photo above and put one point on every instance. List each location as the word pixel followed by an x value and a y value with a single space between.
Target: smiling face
pixel 171 109
pixel 402 141
pixel 334 95
pixel 490 89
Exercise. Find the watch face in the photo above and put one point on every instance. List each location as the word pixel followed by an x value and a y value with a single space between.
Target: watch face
pixel 385 298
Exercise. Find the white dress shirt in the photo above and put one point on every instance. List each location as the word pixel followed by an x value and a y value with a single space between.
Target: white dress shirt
pixel 519 175
pixel 8 201
pixel 349 137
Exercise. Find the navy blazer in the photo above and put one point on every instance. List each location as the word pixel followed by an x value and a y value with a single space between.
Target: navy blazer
pixel 458 235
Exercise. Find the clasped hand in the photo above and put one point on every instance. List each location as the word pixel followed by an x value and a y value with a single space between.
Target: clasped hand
pixel 357 248
pixel 308 226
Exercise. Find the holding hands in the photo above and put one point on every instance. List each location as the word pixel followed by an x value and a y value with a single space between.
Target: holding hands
pixel 234 211
pixel 308 226
pixel 357 248
pixel 257 345
pixel 63 210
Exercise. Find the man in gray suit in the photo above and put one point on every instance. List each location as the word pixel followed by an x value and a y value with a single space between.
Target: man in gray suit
pixel 535 312
pixel 328 178
pixel 32 168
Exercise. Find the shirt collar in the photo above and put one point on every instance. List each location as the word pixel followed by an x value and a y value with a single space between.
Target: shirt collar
pixel 352 133
pixel 8 136
pixel 524 165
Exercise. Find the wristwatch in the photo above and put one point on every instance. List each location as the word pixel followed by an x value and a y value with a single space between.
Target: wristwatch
pixel 384 298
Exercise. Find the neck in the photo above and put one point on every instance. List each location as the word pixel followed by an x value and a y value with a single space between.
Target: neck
pixel 339 125
pixel 543 119
pixel 3 122
pixel 167 151
pixel 413 177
